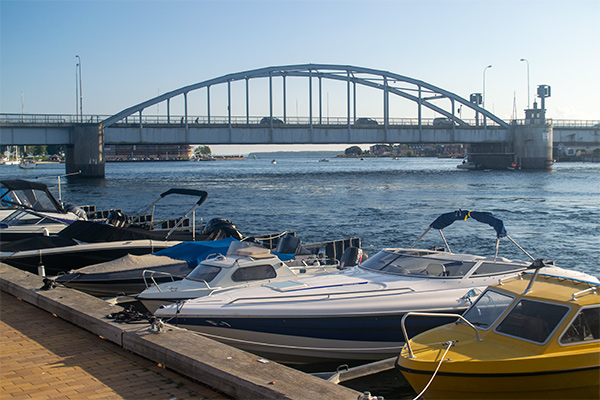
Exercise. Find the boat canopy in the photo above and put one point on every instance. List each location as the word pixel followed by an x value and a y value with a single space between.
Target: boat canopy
pixel 448 218
pixel 29 195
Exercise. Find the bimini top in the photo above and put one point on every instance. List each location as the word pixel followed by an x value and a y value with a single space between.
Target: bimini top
pixel 447 219
pixel 29 195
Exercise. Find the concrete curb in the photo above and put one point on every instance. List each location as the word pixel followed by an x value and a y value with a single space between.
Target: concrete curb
pixel 232 371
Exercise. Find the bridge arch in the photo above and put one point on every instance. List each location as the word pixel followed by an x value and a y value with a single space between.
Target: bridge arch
pixel 420 92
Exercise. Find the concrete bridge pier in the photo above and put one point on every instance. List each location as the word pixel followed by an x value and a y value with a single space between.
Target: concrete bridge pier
pixel 533 146
pixel 87 152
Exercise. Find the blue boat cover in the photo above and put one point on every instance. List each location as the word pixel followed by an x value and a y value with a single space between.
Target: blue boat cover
pixel 487 218
pixel 195 252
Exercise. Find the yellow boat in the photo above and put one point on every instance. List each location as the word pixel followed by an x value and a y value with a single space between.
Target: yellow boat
pixel 533 336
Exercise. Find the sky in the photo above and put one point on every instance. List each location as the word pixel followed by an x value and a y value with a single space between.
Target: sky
pixel 132 51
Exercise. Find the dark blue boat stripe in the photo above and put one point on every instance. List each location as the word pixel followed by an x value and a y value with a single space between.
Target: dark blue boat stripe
pixel 353 328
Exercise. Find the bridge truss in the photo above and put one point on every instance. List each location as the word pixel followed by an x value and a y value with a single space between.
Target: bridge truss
pixel 422 93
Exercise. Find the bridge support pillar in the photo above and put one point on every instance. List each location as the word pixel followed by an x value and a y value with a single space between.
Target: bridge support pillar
pixel 87 153
pixel 533 146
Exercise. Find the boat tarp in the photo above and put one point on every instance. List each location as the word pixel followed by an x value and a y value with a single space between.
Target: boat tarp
pixel 194 252
pixel 485 217
pixel 127 263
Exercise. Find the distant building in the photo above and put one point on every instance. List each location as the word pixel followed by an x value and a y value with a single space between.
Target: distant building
pixel 147 152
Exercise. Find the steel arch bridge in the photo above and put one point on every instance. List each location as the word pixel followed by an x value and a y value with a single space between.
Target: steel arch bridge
pixel 422 93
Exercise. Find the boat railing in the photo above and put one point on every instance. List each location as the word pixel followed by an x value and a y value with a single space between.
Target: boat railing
pixel 325 295
pixel 153 273
pixel 425 314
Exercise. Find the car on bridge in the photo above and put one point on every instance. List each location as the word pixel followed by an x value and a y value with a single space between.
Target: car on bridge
pixel 274 120
pixel 365 121
pixel 442 121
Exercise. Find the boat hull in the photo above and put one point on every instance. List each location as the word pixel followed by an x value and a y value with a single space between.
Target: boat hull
pixel 577 383
pixel 311 339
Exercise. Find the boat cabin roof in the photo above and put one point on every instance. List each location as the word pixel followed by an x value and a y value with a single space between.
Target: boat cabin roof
pixel 536 313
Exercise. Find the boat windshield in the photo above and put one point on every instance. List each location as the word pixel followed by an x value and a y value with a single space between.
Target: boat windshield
pixel 488 307
pixel 409 264
pixel 204 273
pixel 532 320
pixel 35 199
pixel 584 328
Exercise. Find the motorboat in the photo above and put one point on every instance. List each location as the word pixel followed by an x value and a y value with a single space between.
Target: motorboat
pixel 470 165
pixel 29 209
pixel 353 314
pixel 82 243
pixel 90 243
pixel 244 264
pixel 130 274
pixel 532 336
pixel 124 276
pixel 28 163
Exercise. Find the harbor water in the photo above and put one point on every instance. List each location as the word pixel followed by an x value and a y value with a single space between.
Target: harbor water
pixel 385 202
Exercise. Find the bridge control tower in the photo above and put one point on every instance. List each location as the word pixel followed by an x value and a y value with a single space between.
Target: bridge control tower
pixel 530 146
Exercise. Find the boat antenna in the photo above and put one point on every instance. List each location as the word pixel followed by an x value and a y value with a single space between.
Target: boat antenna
pixel 537 264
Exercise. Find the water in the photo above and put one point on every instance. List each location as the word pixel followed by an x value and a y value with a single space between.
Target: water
pixel 387 203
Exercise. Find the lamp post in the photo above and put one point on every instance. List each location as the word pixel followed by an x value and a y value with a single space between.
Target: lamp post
pixel 483 100
pixel 523 59
pixel 80 89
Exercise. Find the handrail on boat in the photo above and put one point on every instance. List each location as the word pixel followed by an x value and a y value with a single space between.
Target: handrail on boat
pixel 327 295
pixel 424 314
pixel 152 273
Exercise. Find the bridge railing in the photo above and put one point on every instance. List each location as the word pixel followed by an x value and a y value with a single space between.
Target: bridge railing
pixel 59 119
pixel 51 118
pixel 256 120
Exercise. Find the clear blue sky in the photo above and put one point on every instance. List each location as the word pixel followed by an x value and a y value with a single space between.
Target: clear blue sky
pixel 133 50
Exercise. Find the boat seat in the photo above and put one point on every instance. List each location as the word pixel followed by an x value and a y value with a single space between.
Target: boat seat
pixel 435 270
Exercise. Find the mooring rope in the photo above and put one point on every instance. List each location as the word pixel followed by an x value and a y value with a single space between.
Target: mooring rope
pixel 450 344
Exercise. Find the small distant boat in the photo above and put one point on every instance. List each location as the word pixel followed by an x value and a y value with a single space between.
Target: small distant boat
pixel 534 336
pixel 27 163
pixel 466 164
pixel 324 160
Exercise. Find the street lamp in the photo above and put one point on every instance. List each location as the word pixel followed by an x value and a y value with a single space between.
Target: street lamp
pixel 80 89
pixel 483 100
pixel 523 59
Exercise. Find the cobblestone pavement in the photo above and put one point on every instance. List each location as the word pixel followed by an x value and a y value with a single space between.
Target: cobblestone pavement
pixel 45 357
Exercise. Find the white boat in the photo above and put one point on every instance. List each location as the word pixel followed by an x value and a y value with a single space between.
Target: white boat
pixel 244 264
pixel 466 164
pixel 353 314
pixel 27 163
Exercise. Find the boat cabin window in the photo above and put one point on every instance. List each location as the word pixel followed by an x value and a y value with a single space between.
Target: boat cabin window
pixel 532 320
pixel 491 268
pixel 409 264
pixel 584 328
pixel 488 307
pixel 254 273
pixel 204 273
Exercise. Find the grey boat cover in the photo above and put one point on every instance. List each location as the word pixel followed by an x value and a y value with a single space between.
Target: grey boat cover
pixel 130 262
